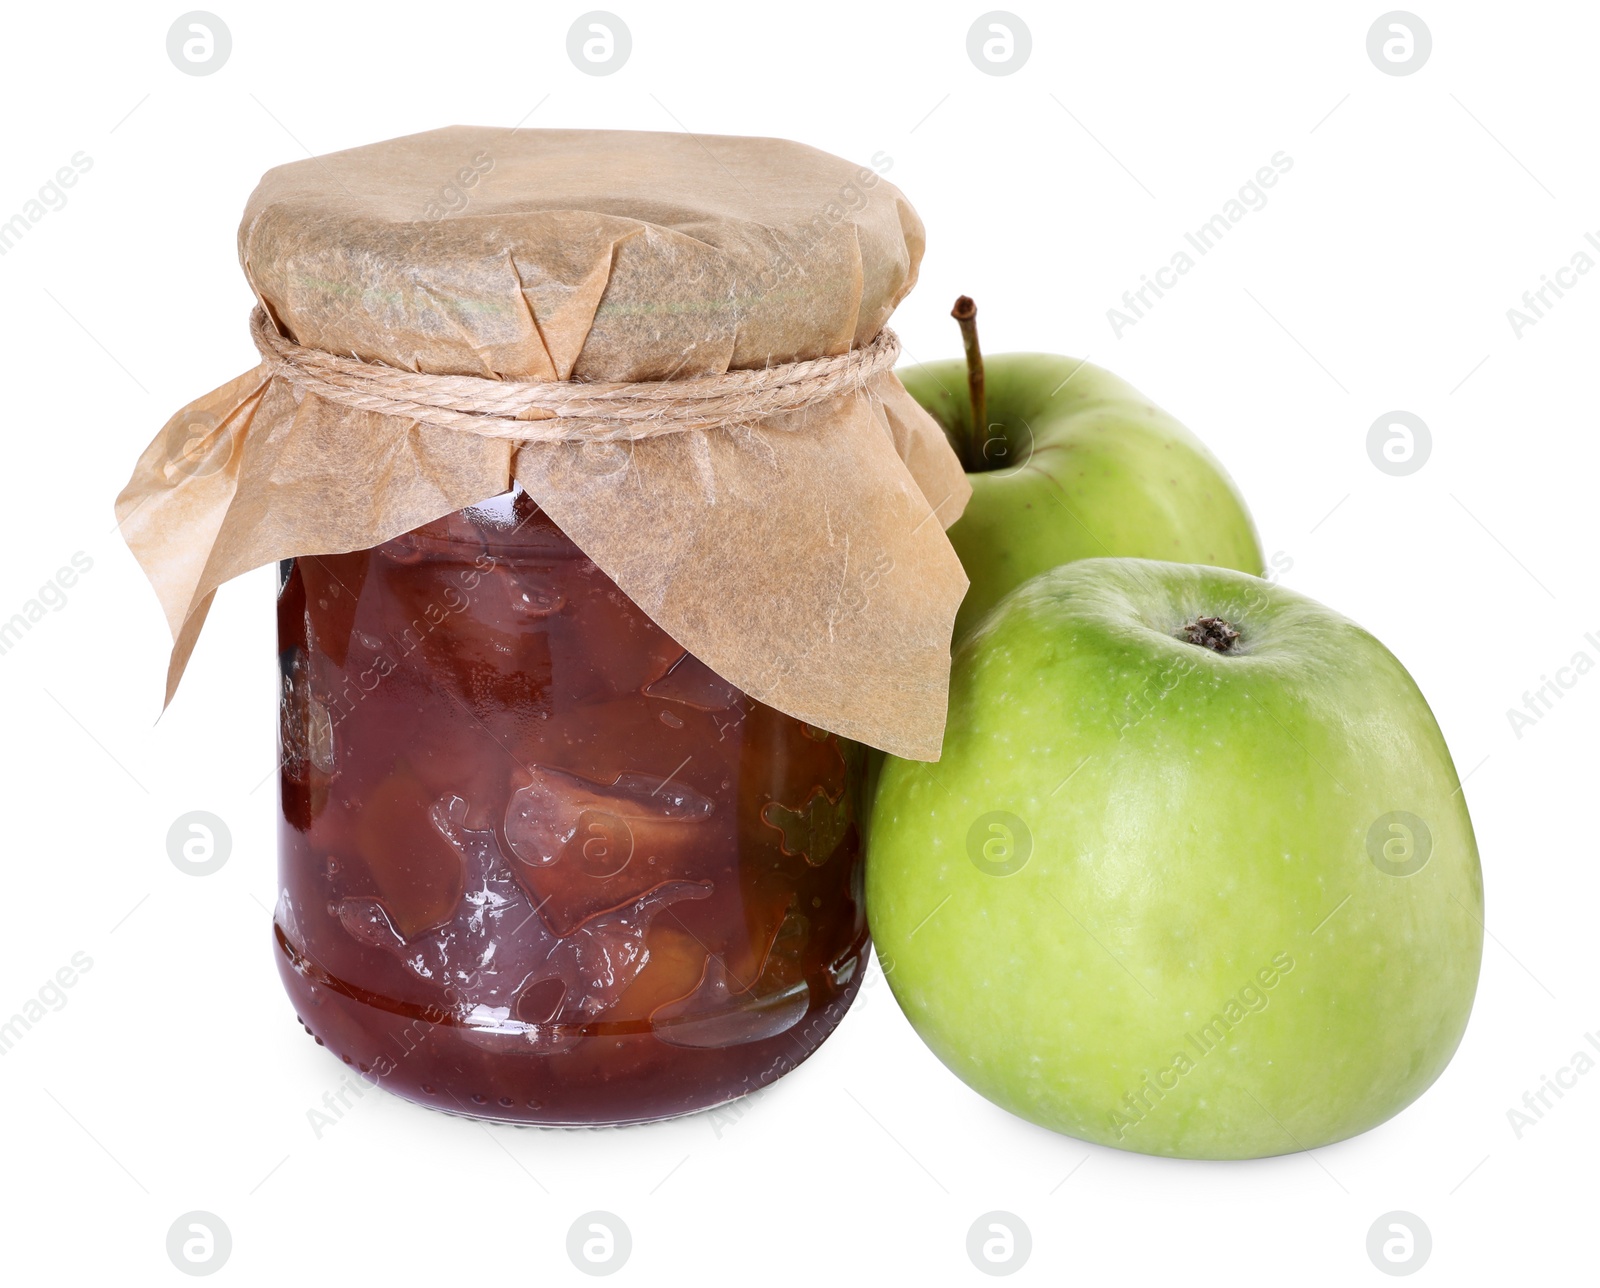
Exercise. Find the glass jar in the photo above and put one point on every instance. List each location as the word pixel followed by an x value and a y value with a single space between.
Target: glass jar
pixel 538 863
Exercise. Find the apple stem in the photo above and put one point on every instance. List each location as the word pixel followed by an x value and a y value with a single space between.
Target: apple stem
pixel 965 313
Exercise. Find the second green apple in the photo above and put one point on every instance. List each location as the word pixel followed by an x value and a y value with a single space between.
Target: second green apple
pixel 1076 464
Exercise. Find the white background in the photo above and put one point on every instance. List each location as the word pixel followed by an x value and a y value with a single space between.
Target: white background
pixel 1418 210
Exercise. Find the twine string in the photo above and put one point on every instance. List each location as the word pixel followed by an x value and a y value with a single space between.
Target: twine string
pixel 569 411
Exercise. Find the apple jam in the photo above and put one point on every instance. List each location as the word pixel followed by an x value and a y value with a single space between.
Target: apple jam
pixel 538 863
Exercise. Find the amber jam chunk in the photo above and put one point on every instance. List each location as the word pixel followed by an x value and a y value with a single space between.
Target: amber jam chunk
pixel 538 863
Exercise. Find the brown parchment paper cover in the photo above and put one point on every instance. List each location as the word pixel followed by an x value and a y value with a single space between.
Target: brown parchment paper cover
pixel 802 557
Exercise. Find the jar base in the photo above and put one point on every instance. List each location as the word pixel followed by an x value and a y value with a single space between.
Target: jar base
pixel 608 1080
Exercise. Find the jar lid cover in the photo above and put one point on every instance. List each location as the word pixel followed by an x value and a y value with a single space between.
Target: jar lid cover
pixel 595 254
pixel 422 298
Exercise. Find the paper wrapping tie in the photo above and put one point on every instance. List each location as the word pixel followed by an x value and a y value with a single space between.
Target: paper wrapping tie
pixel 800 553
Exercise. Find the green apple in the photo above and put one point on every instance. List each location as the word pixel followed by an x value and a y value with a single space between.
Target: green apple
pixel 1075 464
pixel 1194 875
